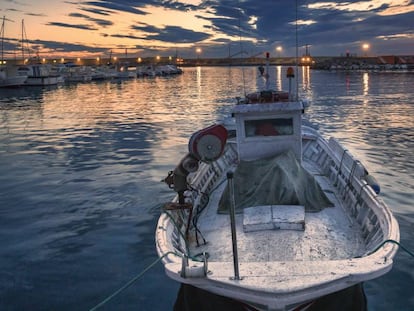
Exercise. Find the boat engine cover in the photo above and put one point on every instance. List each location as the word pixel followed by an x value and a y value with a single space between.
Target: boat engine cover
pixel 207 145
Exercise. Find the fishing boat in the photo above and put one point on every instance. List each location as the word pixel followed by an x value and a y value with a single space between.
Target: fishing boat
pixel 270 213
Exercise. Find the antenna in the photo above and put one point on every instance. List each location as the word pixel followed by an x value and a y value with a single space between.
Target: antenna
pixel 297 52
pixel 241 49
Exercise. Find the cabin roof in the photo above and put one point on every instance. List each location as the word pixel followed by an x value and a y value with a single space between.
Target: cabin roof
pixel 268 107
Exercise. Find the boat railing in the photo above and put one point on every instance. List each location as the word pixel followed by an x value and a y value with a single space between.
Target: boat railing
pixel 361 202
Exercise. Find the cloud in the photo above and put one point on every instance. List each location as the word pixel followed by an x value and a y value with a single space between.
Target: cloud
pixel 398 36
pixel 329 27
pixel 97 11
pixel 125 36
pixel 33 46
pixel 79 26
pixel 170 34
pixel 100 22
pixel 146 28
pixel 124 6
pixel 66 46
pixel 35 14
pixel 381 7
pixel 174 34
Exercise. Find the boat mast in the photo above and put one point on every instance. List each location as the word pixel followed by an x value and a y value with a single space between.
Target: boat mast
pixel 23 39
pixel 267 70
pixel 2 40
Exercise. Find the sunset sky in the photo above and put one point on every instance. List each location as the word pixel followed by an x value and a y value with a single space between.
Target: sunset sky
pixel 217 28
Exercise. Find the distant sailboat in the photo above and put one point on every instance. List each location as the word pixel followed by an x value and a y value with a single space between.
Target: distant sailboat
pixel 38 74
pixel 9 76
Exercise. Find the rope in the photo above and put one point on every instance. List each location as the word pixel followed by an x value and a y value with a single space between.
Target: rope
pixel 130 282
pixel 395 242
pixel 139 275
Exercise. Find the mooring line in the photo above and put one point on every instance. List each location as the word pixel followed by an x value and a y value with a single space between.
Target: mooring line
pixel 130 282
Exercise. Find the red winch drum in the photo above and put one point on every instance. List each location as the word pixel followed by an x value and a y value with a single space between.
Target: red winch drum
pixel 208 144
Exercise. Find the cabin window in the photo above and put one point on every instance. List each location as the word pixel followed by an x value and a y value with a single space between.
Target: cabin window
pixel 268 127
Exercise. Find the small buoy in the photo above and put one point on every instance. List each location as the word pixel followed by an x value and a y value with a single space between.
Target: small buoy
pixel 373 183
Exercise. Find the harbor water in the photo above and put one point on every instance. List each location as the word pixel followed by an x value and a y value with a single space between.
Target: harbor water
pixel 81 165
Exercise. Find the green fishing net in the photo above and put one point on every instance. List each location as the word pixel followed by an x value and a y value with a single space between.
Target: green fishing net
pixel 279 180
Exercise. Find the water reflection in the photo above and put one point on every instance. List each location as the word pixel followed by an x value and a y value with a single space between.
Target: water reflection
pixel 80 171
pixel 365 82
pixel 306 79
pixel 279 78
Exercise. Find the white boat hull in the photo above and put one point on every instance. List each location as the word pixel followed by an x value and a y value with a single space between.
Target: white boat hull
pixel 12 81
pixel 9 77
pixel 280 270
pixel 43 81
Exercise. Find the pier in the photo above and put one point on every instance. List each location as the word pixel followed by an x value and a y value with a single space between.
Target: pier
pixel 315 62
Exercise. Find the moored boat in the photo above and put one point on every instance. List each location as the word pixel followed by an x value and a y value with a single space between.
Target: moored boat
pixel 9 77
pixel 40 75
pixel 270 213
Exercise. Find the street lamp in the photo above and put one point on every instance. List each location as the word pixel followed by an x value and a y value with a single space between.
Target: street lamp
pixel 365 47
pixel 279 50
pixel 198 51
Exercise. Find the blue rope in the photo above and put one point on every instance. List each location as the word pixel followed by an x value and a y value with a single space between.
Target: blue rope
pixel 130 282
pixel 395 242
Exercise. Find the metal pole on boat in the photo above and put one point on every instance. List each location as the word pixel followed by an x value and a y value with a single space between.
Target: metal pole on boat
pixel 267 70
pixel 290 75
pixel 233 226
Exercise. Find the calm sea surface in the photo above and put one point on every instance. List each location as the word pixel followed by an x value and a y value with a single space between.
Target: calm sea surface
pixel 81 164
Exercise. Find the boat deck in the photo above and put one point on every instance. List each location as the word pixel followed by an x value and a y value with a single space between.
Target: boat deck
pixel 329 234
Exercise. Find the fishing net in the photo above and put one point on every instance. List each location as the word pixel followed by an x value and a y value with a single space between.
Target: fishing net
pixel 279 180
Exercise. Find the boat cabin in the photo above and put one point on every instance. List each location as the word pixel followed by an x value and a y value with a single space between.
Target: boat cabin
pixel 267 129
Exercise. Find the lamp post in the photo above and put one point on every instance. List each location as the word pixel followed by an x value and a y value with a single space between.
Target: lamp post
pixel 365 47
pixel 198 51
pixel 279 51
